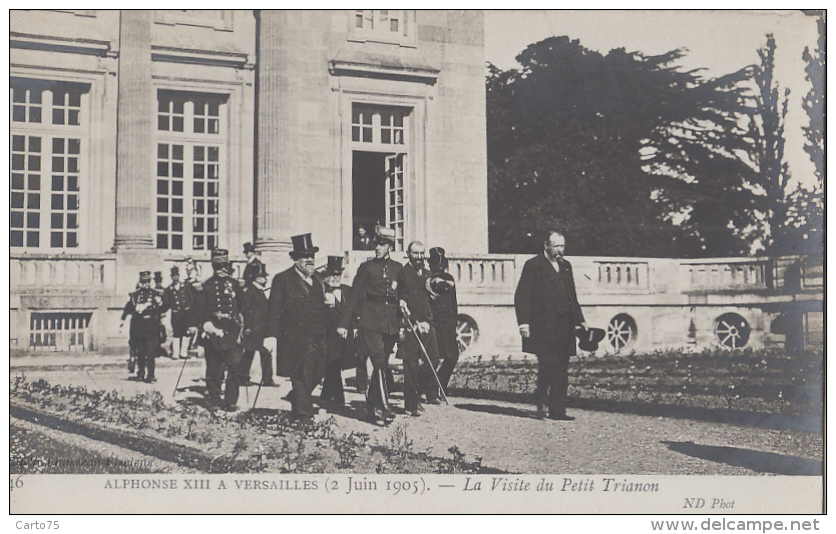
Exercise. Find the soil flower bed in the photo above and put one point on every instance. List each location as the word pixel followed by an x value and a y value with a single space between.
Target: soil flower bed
pixel 262 441
pixel 762 381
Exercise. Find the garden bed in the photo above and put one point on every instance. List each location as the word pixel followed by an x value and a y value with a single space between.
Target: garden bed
pixel 764 381
pixel 261 441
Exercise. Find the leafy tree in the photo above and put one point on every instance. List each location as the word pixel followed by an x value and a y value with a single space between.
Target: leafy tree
pixel 814 101
pixel 627 153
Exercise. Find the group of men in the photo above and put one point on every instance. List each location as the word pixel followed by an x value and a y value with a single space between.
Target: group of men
pixel 319 326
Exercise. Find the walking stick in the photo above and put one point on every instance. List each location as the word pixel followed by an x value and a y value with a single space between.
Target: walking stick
pixel 407 316
pixel 177 384
pixel 261 383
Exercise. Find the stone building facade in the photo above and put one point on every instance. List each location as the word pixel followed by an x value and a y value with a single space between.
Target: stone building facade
pixel 142 137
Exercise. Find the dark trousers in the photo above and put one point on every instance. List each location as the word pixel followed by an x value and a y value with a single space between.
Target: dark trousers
pixel 332 385
pixel 449 357
pixel 146 351
pixel 266 365
pixel 418 378
pixel 552 383
pixel 379 346
pixel 304 377
pixel 220 363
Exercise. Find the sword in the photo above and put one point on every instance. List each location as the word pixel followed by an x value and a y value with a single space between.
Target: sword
pixel 407 315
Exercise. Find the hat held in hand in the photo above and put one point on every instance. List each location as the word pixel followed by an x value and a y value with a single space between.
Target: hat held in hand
pixel 588 338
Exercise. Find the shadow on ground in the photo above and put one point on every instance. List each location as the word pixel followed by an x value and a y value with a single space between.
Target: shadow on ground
pixel 803 422
pixel 497 410
pixel 758 461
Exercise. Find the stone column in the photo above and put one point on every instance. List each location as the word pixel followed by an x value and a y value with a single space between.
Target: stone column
pixel 135 173
pixel 272 181
pixel 135 133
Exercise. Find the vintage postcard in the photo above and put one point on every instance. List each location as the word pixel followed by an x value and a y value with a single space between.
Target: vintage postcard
pixel 417 261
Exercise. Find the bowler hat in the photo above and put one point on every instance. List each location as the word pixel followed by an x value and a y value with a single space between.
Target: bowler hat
pixel 588 338
pixel 335 265
pixel 384 235
pixel 220 255
pixel 302 246
pixel 437 259
pixel 248 247
pixel 145 276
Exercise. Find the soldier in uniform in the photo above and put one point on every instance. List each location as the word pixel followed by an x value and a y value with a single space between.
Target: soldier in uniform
pixel 254 305
pixel 441 287
pixel 160 289
pixel 145 307
pixel 218 311
pixel 179 299
pixel 337 348
pixel 418 377
pixel 374 298
pixel 254 265
pixel 296 317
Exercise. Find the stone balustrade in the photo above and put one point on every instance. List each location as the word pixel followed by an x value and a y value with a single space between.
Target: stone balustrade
pixel 728 274
pixel 65 271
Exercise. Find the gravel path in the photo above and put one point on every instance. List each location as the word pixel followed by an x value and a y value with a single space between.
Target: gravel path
pixel 506 436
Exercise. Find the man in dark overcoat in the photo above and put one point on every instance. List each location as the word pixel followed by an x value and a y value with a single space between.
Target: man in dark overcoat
pixel 374 298
pixel 547 310
pixel 441 287
pixel 254 307
pixel 336 293
pixel 417 375
pixel 218 311
pixel 254 265
pixel 296 317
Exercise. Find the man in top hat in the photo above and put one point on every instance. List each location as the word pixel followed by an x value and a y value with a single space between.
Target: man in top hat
pixel 547 310
pixel 296 317
pixel 145 307
pixel 218 311
pixel 179 299
pixel 254 307
pixel 254 265
pixel 441 287
pixel 374 298
pixel 338 349
pixel 418 377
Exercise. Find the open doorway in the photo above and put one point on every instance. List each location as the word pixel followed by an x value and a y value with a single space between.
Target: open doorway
pixel 377 196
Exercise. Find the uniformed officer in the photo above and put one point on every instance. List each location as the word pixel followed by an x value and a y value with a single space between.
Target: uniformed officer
pixel 254 265
pixel 145 307
pixel 418 376
pixel 374 297
pixel 179 299
pixel 218 312
pixel 296 317
pixel 254 307
pixel 441 287
pixel 160 289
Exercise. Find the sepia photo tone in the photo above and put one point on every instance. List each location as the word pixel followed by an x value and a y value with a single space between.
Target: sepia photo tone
pixel 489 261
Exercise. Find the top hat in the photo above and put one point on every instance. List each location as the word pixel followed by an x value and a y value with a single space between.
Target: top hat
pixel 260 270
pixel 335 265
pixel 175 271
pixel 302 246
pixel 588 338
pixel 384 235
pixel 158 276
pixel 220 255
pixel 248 247
pixel 145 276
pixel 437 259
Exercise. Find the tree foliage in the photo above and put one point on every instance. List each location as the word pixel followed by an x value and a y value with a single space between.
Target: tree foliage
pixel 628 154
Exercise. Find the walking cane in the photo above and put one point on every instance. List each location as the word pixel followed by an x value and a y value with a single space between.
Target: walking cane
pixel 255 401
pixel 407 315
pixel 176 385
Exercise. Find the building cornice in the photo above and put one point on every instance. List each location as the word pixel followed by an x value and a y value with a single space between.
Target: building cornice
pixel 67 45
pixel 200 57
